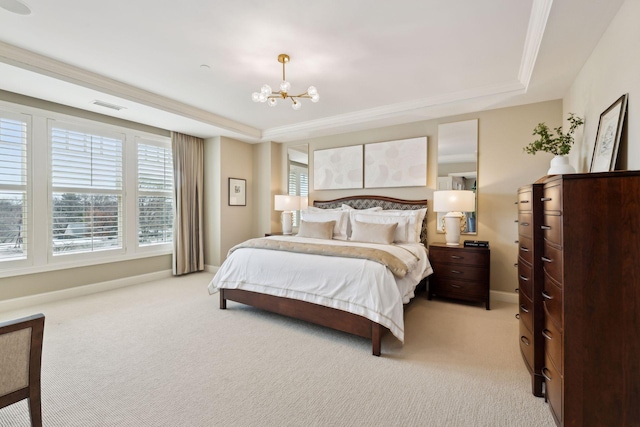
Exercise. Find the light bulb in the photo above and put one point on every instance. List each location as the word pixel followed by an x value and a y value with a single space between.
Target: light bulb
pixel 266 90
pixel 255 96
pixel 312 91
pixel 285 86
pixel 272 102
pixel 296 105
pixel 262 97
pixel 315 98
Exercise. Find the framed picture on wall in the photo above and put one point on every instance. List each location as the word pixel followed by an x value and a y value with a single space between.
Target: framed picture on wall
pixel 237 192
pixel 605 149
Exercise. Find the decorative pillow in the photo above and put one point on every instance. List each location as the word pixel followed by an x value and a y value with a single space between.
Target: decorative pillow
pixel 402 223
pixel 316 230
pixel 353 211
pixel 340 217
pixel 409 222
pixel 373 233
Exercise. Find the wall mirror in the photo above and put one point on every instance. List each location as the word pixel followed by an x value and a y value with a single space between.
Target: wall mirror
pixel 298 172
pixel 458 165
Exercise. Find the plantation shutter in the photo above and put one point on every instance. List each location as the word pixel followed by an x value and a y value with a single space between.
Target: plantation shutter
pixel 87 191
pixel 155 193
pixel 14 203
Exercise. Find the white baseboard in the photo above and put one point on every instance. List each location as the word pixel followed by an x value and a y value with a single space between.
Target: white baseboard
pixel 504 296
pixel 31 300
pixel 211 268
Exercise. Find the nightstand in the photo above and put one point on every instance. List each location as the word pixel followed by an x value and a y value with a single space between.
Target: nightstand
pixel 275 233
pixel 459 272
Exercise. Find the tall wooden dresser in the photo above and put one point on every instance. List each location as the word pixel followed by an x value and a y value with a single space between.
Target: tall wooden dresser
pixel 591 297
pixel 530 280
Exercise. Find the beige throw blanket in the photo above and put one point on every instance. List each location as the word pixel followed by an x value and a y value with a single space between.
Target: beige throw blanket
pixel 395 265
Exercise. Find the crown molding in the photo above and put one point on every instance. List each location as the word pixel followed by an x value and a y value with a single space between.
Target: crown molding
pixel 540 10
pixel 27 60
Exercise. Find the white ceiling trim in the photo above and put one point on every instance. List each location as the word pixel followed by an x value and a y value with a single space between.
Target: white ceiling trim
pixel 540 10
pixel 21 58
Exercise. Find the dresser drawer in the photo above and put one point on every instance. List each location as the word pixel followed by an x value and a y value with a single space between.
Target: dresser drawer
pixel 553 381
pixel 525 248
pixel 525 308
pixel 526 346
pixel 552 197
pixel 459 289
pixel 525 202
pixel 552 262
pixel 552 229
pixel 525 279
pixel 553 343
pixel 440 255
pixel 525 224
pixel 552 300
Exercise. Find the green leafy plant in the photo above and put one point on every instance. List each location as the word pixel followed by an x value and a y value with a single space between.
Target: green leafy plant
pixel 560 144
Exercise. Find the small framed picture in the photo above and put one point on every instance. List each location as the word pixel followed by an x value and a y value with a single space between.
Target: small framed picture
pixel 605 150
pixel 237 192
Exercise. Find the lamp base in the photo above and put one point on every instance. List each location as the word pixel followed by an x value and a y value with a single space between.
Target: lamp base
pixel 287 222
pixel 452 228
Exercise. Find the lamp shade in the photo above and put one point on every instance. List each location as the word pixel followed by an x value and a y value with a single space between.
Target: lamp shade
pixel 454 201
pixel 286 203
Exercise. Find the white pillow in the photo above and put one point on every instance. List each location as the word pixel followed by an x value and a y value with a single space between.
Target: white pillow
pixel 373 233
pixel 402 228
pixel 409 222
pixel 340 217
pixel 316 230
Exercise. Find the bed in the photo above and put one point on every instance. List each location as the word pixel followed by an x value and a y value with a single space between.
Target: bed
pixel 348 290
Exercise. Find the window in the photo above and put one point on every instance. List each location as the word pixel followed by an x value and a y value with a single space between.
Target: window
pixel 155 193
pixel 86 190
pixel 13 186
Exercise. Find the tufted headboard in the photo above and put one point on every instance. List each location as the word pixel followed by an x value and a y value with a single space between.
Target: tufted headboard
pixel 365 202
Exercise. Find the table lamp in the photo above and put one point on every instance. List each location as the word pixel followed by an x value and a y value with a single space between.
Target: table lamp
pixel 287 204
pixel 454 203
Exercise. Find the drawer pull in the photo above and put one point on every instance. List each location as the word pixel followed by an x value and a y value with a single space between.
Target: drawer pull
pixel 545 295
pixel 547 334
pixel 515 203
pixel 523 308
pixel 524 278
pixel 524 340
pixel 515 221
pixel 523 249
pixel 545 227
pixel 515 265
pixel 456 257
pixel 516 241
pixel 525 224
pixel 456 286
pixel 545 259
pixel 545 374
pixel 546 199
pixel 456 272
pixel 524 201
pixel 517 290
pixel 518 316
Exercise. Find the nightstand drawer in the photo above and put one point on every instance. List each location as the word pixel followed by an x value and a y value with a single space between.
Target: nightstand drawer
pixel 458 289
pixel 525 249
pixel 552 229
pixel 552 197
pixel 525 202
pixel 552 263
pixel 552 300
pixel 525 225
pixel 553 343
pixel 525 309
pixel 525 279
pixel 460 272
pixel 526 345
pixel 443 255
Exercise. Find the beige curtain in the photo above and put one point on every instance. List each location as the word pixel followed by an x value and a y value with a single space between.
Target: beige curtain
pixel 188 179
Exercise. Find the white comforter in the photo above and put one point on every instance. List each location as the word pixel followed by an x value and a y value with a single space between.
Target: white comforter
pixel 358 286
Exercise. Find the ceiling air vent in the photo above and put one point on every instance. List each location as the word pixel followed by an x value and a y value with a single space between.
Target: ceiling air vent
pixel 107 105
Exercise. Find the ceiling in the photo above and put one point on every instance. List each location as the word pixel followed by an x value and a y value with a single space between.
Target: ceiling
pixel 192 66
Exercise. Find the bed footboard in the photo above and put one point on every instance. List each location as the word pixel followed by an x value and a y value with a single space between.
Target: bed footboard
pixel 314 313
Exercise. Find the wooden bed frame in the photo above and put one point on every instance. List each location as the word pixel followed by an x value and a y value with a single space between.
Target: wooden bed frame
pixel 318 314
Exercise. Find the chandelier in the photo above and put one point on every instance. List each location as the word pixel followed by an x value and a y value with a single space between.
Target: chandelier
pixel 267 95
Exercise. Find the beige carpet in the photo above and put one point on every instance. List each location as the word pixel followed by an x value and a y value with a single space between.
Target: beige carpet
pixel 164 354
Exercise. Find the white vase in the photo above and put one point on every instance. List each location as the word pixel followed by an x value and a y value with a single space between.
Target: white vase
pixel 560 165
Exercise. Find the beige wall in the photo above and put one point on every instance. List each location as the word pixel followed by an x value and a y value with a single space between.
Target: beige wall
pixel 502 168
pixel 267 183
pixel 612 70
